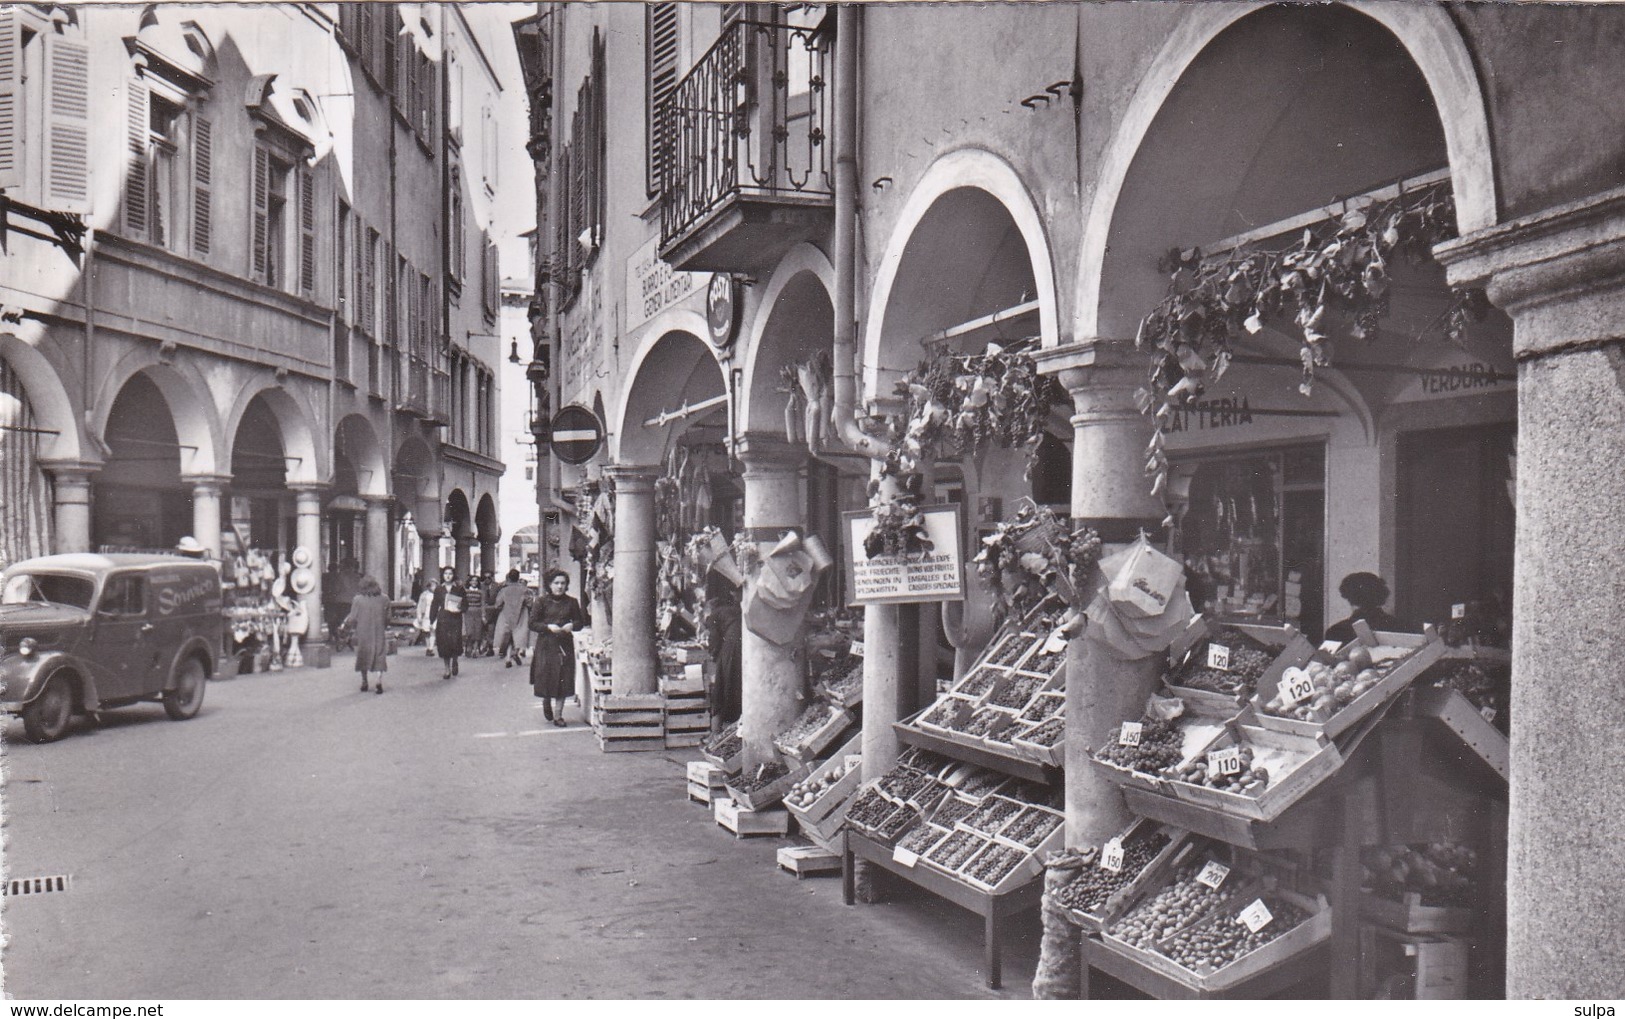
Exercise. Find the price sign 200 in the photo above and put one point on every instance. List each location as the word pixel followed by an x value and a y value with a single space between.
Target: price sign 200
pixel 1213 874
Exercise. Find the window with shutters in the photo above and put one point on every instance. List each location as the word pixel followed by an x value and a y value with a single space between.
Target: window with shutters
pixel 341 261
pixel 163 126
pixel 269 226
pixel 458 229
pixel 369 294
pixel 307 232
pixel 660 34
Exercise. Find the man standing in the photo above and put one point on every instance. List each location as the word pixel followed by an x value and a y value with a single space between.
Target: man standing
pixel 511 625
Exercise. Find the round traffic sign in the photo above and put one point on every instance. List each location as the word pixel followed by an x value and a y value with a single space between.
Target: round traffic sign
pixel 577 434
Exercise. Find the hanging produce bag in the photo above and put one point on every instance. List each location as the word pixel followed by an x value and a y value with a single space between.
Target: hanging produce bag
pixel 777 602
pixel 1147 583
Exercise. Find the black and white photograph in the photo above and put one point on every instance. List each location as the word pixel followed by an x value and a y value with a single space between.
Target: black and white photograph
pixel 788 502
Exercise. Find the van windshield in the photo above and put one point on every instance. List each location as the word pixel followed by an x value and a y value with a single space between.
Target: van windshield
pixel 39 588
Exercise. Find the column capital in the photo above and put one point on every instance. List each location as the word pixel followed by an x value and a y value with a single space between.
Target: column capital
pixel 308 487
pixel 378 501
pixel 769 453
pixel 71 470
pixel 1100 375
pixel 1560 273
pixel 214 481
pixel 632 479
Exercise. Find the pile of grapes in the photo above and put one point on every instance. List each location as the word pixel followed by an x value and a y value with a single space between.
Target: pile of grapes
pixel 1094 884
pixel 1160 747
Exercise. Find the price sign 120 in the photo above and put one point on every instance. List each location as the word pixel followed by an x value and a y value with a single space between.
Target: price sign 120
pixel 1130 734
pixel 1224 762
pixel 1218 657
pixel 1111 856
pixel 1255 917
pixel 1296 686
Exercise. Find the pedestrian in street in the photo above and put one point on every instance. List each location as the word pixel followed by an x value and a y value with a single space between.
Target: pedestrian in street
pixel 447 610
pixel 723 623
pixel 423 623
pixel 554 619
pixel 369 610
pixel 474 617
pixel 509 604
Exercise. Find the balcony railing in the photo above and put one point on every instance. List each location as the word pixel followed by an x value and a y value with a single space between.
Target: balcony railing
pixel 751 120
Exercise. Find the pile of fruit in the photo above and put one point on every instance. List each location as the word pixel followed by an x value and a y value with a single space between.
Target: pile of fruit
pixel 890 829
pixel 807 725
pixel 1249 781
pixel 1045 663
pixel 1486 689
pixel 812 789
pixel 988 722
pixel 1032 827
pixel 922 838
pixel 1248 661
pixel 978 782
pixel 994 864
pixel 903 783
pixel 1046 734
pixel 725 745
pixel 1335 686
pixel 849 685
pixel 869 808
pixel 947 713
pixel 952 852
pixel 761 776
pixel 953 809
pixel 1095 884
pixel 1160 747
pixel 1171 909
pixel 1219 940
pixel 1442 873
pixel 979 682
pixel 1010 651
pixel 1017 692
pixel 1044 707
pixel 992 814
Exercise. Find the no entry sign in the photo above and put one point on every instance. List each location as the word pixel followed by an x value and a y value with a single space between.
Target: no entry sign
pixel 577 434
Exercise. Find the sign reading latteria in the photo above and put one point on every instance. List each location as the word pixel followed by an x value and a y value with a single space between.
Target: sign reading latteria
pixel 934 575
pixel 652 286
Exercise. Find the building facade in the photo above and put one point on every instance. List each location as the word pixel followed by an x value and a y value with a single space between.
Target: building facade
pixel 726 190
pixel 266 342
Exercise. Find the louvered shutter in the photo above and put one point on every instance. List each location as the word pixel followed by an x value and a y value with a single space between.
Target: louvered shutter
pixel 406 77
pixel 369 296
pixel 364 35
pixel 307 232
pixel 661 55
pixel 67 124
pixel 11 117
pixel 260 194
pixel 136 205
pixel 430 103
pixel 358 296
pixel 202 185
pixel 341 268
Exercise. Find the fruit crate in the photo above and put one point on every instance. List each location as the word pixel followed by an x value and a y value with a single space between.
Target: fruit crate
pixel 1053 754
pixel 809 749
pixel 1306 935
pixel 979 682
pixel 1150 876
pixel 826 833
pixel 689 683
pixel 1027 867
pixel 834 797
pixel 967 842
pixel 953 707
pixel 745 821
pixel 1407 914
pixel 770 794
pixel 730 764
pixel 803 861
pixel 1459 715
pixel 1197 731
pixel 1011 687
pixel 1296 764
pixel 1035 811
pixel 1009 649
pixel 1292 648
pixel 1411 655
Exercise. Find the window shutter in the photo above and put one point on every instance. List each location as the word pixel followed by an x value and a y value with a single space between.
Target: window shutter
pixel 364 34
pixel 136 206
pixel 11 118
pixel 202 185
pixel 341 268
pixel 369 297
pixel 431 100
pixel 660 54
pixel 389 23
pixel 67 124
pixel 261 194
pixel 406 77
pixel 307 232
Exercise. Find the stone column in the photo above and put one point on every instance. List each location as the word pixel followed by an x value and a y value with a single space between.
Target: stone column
pixel 72 505
pixel 633 601
pixel 206 489
pixel 376 562
pixel 488 556
pixel 772 674
pixel 1560 274
pixel 465 555
pixel 889 677
pixel 308 534
pixel 1112 494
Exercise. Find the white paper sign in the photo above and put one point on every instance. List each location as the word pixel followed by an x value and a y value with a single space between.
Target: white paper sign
pixel 1218 657
pixel 1055 644
pixel 1213 874
pixel 1331 647
pixel 1458 610
pixel 1224 762
pixel 1130 734
pixel 856 650
pixel 1111 856
pixel 1256 916
pixel 1488 713
pixel 1296 686
pixel 905 857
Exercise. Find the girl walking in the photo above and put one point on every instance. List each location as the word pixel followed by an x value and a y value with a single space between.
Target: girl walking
pixel 369 610
pixel 448 620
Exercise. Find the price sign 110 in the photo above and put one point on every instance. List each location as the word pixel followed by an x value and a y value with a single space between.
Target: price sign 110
pixel 1224 762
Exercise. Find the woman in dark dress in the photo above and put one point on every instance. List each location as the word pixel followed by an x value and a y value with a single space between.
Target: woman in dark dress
pixel 554 619
pixel 1366 594
pixel 447 612
pixel 724 642
pixel 369 610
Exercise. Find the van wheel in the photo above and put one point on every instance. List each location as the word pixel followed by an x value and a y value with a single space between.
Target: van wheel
pixel 46 717
pixel 184 701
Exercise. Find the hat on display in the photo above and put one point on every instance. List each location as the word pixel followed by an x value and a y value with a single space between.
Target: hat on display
pixel 302 580
pixel 190 545
pixel 301 556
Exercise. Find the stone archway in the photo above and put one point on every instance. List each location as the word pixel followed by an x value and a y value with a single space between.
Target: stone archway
pixel 673 369
pixel 488 532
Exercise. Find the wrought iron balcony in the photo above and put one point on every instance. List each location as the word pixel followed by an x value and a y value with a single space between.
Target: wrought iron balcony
pixel 744 150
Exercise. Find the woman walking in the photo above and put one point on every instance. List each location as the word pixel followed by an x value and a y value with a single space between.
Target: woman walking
pixel 448 620
pixel 474 617
pixel 369 610
pixel 554 619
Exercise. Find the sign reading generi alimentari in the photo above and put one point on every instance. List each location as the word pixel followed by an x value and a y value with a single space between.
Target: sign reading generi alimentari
pixel 652 286
pixel 937 575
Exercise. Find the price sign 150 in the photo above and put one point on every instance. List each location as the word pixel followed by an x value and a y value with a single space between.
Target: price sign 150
pixel 1130 734
pixel 1111 856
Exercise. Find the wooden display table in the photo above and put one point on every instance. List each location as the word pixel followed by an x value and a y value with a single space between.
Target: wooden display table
pixel 1305 968
pixel 992 908
pixel 980 756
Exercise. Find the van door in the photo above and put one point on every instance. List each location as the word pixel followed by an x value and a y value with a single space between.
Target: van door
pixel 121 648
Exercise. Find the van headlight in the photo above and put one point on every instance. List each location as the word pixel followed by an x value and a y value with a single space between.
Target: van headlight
pixel 26 646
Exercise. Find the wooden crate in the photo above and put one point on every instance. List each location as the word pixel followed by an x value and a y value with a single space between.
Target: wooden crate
pixel 706 773
pixel 618 745
pixel 828 832
pixel 809 860
pixel 683 685
pixel 745 822
pixel 1296 765
pixel 1301 938
pixel 687 724
pixel 1416 652
pixel 1152 875
pixel 834 797
pixel 700 793
pixel 820 740
pixel 1410 916
pixel 1466 721
pixel 684 740
pixel 612 729
pixel 770 794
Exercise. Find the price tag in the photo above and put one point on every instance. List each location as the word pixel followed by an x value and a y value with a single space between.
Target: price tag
pixel 1256 916
pixel 1130 734
pixel 1218 657
pixel 905 857
pixel 1213 874
pixel 1224 762
pixel 1458 610
pixel 1488 713
pixel 1331 647
pixel 1296 686
pixel 1111 856
pixel 1055 644
pixel 856 650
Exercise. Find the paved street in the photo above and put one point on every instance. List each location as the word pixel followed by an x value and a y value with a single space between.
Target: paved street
pixel 302 839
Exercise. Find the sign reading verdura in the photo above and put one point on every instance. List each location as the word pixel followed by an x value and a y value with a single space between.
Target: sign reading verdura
pixel 652 286
pixel 937 575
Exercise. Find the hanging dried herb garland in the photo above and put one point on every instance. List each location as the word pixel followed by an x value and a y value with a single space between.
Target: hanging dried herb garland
pixel 957 405
pixel 1338 273
pixel 1033 555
